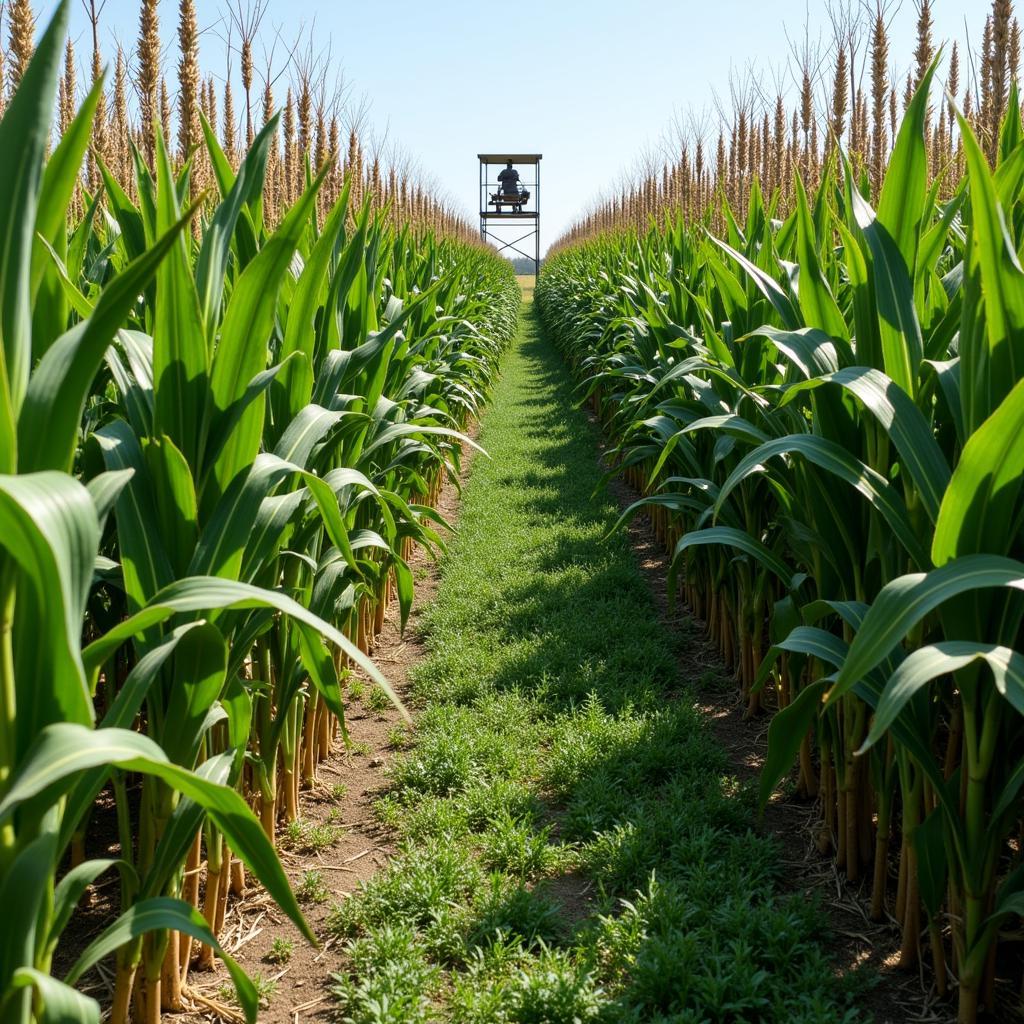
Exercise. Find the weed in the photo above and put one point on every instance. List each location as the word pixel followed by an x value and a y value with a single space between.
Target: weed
pixel 310 836
pixel 391 981
pixel 515 846
pixel 398 736
pixel 414 888
pixel 266 989
pixel 312 888
pixel 388 810
pixel 280 951
pixel 507 910
pixel 554 989
pixel 377 701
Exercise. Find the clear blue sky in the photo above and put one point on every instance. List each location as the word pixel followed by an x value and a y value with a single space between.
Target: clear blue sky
pixel 590 85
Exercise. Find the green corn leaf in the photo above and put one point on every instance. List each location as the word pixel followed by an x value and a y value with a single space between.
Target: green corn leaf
pixel 399 430
pixel 991 362
pixel 780 299
pixel 730 537
pixel 255 389
pixel 837 461
pixel 1009 904
pixel 208 593
pixel 174 501
pixel 816 300
pixel 815 643
pixel 145 187
pixel 49 528
pixel 947 373
pixel 404 586
pixel 300 328
pixel 180 357
pixel 128 217
pixel 785 734
pixel 120 715
pixel 980 503
pixel 211 266
pixel 23 885
pixel 105 489
pixel 24 136
pixel 144 557
pixel 49 314
pixel 1010 132
pixel 56 1002
pixel 63 750
pixel 934 239
pixel 903 603
pixel 199 678
pixel 903 422
pixel 229 528
pixel 320 666
pixel 245 335
pixel 49 421
pixel 901 204
pixel 928 663
pixel 218 159
pixel 929 844
pixel 899 328
pixel 164 914
pixel 184 822
pixel 812 351
pixel 72 888
pixel 309 427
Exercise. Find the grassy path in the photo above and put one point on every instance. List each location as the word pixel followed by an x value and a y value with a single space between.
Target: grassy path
pixel 573 847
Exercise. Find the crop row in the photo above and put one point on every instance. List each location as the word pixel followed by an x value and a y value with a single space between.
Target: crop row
pixel 220 437
pixel 823 412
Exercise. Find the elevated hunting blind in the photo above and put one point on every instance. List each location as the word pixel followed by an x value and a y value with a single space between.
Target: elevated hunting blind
pixel 508 203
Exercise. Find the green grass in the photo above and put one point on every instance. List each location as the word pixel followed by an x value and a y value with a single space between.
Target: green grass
pixel 556 751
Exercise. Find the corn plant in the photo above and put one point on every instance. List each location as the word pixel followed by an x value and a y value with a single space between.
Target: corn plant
pixel 55 755
pixel 217 449
pixel 821 413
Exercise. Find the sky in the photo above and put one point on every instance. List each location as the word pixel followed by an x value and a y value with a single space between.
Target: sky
pixel 592 86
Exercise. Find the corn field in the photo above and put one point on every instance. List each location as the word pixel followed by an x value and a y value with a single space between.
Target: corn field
pixel 242 351
pixel 227 409
pixel 817 389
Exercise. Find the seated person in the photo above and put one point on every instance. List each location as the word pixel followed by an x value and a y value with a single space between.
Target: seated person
pixel 509 180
